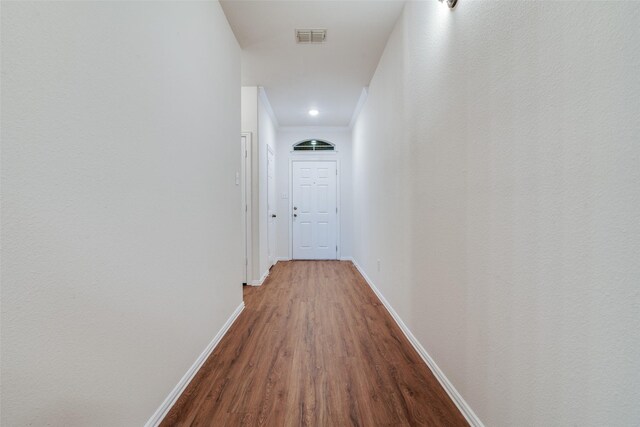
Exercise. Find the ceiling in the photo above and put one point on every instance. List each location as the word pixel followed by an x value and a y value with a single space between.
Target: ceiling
pixel 298 77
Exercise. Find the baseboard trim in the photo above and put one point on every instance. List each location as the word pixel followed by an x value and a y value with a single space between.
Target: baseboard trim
pixel 348 258
pixel 283 259
pixel 171 399
pixel 457 398
pixel 260 281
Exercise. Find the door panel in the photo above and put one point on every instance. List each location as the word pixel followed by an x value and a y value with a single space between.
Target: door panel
pixel 305 200
pixel 323 235
pixel 306 241
pixel 322 197
pixel 314 203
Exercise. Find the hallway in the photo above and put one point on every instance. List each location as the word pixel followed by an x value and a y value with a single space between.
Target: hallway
pixel 314 346
pixel 464 174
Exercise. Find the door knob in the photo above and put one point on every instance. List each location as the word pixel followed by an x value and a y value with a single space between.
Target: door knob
pixel 295 208
pixel 273 215
pixel 295 215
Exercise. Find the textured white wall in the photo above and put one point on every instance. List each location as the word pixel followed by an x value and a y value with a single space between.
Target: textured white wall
pixel 497 178
pixel 120 214
pixel 249 105
pixel 286 137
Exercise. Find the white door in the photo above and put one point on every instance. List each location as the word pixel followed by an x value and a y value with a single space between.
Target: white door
pixel 314 207
pixel 245 188
pixel 271 206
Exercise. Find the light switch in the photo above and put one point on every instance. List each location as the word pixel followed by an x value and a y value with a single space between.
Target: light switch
pixel 237 178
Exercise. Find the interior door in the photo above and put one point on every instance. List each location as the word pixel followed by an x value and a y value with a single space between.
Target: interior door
pixel 245 175
pixel 271 206
pixel 314 205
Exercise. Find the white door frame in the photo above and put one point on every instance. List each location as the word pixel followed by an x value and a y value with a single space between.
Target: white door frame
pixel 246 203
pixel 308 158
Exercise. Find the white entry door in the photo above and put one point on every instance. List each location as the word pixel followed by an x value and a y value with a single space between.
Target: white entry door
pixel 314 205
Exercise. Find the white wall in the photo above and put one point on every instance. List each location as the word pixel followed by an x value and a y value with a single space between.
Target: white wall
pixel 287 136
pixel 497 178
pixel 258 118
pixel 249 104
pixel 120 225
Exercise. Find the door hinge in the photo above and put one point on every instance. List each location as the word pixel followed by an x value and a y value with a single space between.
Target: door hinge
pixel 245 154
pixel 246 208
pixel 336 210
pixel 336 248
pixel 336 171
pixel 246 262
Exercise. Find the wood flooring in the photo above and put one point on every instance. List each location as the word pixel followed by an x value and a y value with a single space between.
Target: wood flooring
pixel 314 347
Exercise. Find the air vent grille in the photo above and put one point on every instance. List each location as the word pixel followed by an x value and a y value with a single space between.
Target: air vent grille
pixel 311 36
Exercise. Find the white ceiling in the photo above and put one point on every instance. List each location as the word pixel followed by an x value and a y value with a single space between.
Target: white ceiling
pixel 298 77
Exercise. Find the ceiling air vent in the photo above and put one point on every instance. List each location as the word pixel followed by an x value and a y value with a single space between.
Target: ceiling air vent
pixel 311 36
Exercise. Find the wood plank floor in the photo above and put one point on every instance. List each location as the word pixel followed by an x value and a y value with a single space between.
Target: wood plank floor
pixel 314 346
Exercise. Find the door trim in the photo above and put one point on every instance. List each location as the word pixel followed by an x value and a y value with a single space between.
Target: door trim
pixel 314 159
pixel 246 201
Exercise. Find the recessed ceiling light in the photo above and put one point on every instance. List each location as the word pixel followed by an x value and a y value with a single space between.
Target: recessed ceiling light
pixel 314 112
pixel 450 3
pixel 314 142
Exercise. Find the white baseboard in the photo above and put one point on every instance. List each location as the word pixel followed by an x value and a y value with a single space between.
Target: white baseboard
pixel 283 259
pixel 171 399
pixel 462 405
pixel 348 258
pixel 260 281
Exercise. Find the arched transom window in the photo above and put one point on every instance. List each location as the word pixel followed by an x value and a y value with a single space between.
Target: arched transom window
pixel 314 145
